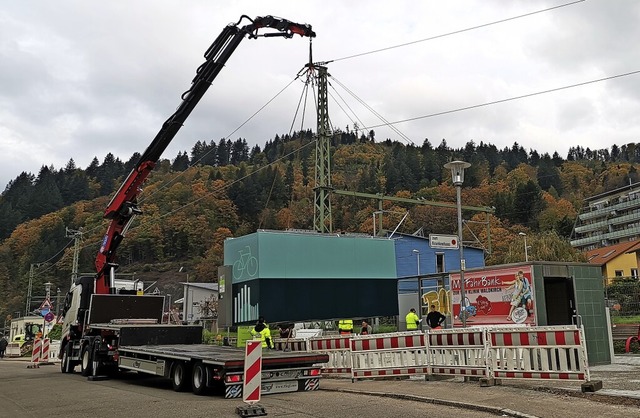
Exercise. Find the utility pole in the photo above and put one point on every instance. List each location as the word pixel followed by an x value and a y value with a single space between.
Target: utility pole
pixel 77 236
pixel 27 308
pixel 322 219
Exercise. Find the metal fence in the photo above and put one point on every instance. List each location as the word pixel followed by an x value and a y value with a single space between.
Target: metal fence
pixel 623 297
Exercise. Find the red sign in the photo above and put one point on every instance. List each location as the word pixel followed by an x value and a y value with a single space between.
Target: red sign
pixel 495 296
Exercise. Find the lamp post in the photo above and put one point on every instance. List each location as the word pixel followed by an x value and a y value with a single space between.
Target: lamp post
pixel 187 308
pixel 526 253
pixel 57 302
pixel 417 253
pixel 457 177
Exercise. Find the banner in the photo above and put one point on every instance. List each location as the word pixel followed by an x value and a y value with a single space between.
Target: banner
pixel 495 296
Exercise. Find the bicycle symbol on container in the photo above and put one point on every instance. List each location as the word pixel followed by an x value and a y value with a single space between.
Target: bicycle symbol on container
pixel 246 263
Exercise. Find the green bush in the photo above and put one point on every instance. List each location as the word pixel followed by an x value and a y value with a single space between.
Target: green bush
pixel 386 328
pixel 56 332
pixel 619 345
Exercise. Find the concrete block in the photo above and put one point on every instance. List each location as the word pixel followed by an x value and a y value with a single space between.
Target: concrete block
pixel 592 386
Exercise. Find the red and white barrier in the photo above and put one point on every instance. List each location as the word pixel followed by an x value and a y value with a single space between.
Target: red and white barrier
pixel 44 357
pixel 252 372
pixel 36 353
pixel 290 344
pixel 458 352
pixel 557 353
pixel 397 354
pixel 338 348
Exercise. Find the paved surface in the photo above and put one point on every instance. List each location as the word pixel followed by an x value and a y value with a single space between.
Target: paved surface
pixel 22 390
pixel 620 396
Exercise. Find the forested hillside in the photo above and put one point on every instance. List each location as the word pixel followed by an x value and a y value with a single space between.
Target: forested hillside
pixel 224 189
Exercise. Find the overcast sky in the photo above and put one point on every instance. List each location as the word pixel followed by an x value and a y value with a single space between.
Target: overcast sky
pixel 80 79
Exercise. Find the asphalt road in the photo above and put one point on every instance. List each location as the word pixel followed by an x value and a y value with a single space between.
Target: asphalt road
pixel 45 392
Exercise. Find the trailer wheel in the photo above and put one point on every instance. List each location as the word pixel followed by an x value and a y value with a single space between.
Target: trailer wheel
pixel 200 378
pixel 65 364
pixel 180 377
pixel 86 361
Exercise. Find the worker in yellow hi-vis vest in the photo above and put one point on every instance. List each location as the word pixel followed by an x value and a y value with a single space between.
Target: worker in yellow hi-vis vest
pixel 345 326
pixel 412 320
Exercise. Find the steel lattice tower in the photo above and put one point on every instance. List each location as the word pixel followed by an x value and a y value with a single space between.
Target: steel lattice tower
pixel 322 220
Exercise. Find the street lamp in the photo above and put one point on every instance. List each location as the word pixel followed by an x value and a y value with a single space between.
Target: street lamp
pixel 526 253
pixel 417 253
pixel 457 177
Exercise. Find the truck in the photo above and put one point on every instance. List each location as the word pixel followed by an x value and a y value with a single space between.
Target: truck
pixel 109 329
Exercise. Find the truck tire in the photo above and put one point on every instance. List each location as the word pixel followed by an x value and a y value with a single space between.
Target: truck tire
pixel 65 364
pixel 200 379
pixel 86 362
pixel 180 377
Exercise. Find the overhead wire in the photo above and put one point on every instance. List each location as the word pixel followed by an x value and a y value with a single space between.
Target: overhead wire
pixel 167 184
pixel 523 96
pixel 484 25
pixel 372 110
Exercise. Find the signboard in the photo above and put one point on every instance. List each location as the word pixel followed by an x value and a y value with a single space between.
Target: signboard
pixel 46 305
pixel 448 242
pixel 49 317
pixel 495 296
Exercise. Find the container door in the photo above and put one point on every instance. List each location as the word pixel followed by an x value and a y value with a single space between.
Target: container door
pixel 560 300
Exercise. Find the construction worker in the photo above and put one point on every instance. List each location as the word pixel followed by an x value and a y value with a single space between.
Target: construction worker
pixel 261 330
pixel 412 320
pixel 345 326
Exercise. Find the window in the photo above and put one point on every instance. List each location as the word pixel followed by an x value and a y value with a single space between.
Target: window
pixel 439 262
pixel 634 273
pixel 619 273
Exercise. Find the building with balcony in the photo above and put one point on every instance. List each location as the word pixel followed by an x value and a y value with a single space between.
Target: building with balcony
pixel 608 219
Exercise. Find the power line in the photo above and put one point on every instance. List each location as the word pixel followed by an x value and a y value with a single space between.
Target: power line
pixel 484 25
pixel 460 109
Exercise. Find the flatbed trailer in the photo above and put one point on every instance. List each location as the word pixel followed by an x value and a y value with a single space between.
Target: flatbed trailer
pixel 218 368
pixel 122 332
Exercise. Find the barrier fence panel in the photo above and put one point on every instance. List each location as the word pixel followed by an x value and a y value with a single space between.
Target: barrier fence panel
pixel 13 350
pixel 290 344
pixel 54 349
pixel 396 354
pixel 338 348
pixel 557 353
pixel 458 352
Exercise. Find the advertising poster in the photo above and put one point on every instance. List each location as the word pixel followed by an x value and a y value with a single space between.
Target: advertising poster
pixel 499 296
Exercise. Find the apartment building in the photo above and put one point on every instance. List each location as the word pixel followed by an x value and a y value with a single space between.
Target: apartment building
pixel 608 219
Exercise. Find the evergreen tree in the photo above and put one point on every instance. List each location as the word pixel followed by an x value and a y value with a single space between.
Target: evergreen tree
pixel 527 203
pixel 46 196
pixel 181 162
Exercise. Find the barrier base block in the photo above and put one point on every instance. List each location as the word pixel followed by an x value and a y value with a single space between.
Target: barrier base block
pixel 591 386
pixel 251 411
pixel 487 381
pixel 436 377
pixel 33 366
